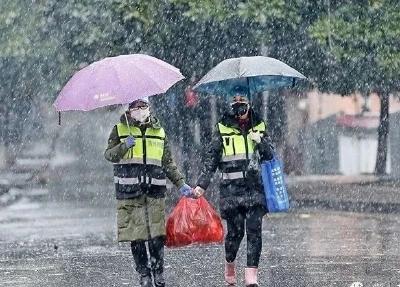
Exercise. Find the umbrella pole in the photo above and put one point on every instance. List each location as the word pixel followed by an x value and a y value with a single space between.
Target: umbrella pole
pixel 251 104
pixel 127 123
pixel 129 129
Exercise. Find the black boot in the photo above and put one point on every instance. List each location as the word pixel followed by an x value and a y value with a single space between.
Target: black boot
pixel 156 246
pixel 142 265
pixel 159 280
pixel 146 280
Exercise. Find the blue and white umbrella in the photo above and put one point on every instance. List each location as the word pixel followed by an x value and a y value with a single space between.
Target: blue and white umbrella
pixel 254 74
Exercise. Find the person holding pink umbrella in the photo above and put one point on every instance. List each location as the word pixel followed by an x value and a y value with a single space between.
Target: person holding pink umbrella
pixel 138 147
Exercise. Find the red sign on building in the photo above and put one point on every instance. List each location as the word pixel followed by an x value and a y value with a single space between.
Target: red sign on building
pixel 191 98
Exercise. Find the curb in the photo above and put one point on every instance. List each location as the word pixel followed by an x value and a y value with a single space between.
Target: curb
pixel 363 207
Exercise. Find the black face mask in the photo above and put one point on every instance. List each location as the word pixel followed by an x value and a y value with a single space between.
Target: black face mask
pixel 240 109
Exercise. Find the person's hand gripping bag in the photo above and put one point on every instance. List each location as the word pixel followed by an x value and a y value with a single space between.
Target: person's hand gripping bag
pixel 193 221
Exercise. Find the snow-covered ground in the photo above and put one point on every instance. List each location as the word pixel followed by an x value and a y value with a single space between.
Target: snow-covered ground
pixel 73 244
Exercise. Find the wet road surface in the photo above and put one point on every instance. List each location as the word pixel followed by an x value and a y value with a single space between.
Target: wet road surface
pixel 71 244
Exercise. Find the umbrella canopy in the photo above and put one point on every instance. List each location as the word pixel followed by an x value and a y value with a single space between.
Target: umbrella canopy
pixel 117 80
pixel 255 74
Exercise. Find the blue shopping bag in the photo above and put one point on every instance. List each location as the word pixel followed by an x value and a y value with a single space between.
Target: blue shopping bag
pixel 274 185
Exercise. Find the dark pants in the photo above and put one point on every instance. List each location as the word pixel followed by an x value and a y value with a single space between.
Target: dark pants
pixel 156 250
pixel 236 222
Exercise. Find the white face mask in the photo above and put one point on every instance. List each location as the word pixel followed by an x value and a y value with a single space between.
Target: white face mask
pixel 141 115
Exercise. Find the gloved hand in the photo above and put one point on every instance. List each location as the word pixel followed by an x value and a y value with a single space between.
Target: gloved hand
pixel 130 141
pixel 198 192
pixel 256 136
pixel 185 190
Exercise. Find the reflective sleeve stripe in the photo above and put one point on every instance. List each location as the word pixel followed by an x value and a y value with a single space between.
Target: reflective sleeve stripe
pixel 126 180
pixel 160 182
pixel 232 175
pixel 235 157
pixel 130 161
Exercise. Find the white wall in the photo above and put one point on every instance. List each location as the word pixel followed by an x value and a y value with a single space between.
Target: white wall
pixel 349 155
pixel 358 155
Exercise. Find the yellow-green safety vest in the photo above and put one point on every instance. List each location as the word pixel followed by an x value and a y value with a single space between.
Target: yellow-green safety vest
pixel 237 150
pixel 153 148
pixel 142 163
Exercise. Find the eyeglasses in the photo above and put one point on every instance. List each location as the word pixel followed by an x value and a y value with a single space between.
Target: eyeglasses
pixel 239 98
pixel 141 107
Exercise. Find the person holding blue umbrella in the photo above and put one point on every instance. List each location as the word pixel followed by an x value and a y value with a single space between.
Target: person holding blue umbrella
pixel 239 134
pixel 240 142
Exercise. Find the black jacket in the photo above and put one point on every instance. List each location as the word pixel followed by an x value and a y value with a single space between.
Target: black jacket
pixel 245 192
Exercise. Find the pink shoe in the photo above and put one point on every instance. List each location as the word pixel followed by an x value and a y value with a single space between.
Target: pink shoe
pixel 230 273
pixel 250 277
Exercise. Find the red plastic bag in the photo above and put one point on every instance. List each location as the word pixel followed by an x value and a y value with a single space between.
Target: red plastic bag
pixel 193 221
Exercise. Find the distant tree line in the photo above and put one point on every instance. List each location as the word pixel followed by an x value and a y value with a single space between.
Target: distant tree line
pixel 341 46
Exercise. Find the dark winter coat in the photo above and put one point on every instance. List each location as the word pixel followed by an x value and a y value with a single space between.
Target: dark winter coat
pixel 246 192
pixel 142 217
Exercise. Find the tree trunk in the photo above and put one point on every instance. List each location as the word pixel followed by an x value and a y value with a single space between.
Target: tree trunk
pixel 10 152
pixel 383 131
pixel 277 119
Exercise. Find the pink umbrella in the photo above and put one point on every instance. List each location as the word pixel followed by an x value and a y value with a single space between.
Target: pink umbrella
pixel 117 80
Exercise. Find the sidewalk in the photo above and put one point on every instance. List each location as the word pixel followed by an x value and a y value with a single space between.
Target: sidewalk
pixel 366 193
pixel 30 174
pixel 345 193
